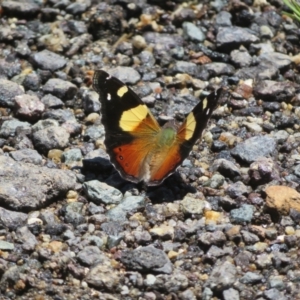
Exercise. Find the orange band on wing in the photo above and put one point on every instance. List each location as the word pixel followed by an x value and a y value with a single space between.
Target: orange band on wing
pixel 171 159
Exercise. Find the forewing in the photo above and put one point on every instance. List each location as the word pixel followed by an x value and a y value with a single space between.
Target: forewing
pixel 129 125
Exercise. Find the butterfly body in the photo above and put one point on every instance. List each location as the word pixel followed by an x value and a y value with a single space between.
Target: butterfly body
pixel 139 148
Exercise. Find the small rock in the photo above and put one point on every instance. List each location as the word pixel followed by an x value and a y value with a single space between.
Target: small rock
pixel 191 205
pixel 91 255
pixel 147 259
pixel 28 240
pixel 234 36
pixel 103 277
pixel 242 214
pixel 6 246
pixel 8 91
pixel 222 276
pixel 50 138
pixel 163 231
pixel 27 156
pixel 60 88
pixel 73 213
pixel 47 60
pixel 11 219
pixel 283 199
pixel 254 147
pixel 100 192
pixel 128 204
pixel 127 75
pixel 9 127
pixel 193 32
pixel 251 278
pixel 71 157
pixel 29 107
pixel 237 189
pixel 231 294
pixel 51 101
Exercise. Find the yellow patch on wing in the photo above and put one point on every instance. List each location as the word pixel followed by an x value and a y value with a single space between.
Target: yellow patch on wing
pixel 190 126
pixel 133 117
pixel 204 104
pixel 122 90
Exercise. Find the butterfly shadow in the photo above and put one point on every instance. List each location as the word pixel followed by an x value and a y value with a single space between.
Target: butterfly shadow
pixel 172 188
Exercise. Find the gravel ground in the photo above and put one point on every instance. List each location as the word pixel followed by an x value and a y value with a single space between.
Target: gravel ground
pixel 224 226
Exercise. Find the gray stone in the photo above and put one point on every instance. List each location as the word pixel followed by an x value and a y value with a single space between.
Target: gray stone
pixel 21 8
pixel 222 276
pixel 226 168
pixel 27 239
pixel 100 192
pixel 103 277
pixel 71 156
pixel 249 238
pixel 91 255
pixel 234 36
pixel 251 278
pixel 223 18
pixel 93 133
pixel 128 204
pixel 74 214
pixel 231 294
pixel 274 294
pixel 51 101
pixel 147 259
pixel 281 60
pixel 263 71
pixel 254 147
pixel 242 214
pixel 212 238
pixel 237 189
pixel 193 32
pixel 191 205
pixel 47 60
pixel 9 127
pixel 240 58
pixel 61 115
pixel 214 69
pixel 11 219
pixel 27 156
pixel 8 91
pixel 181 66
pixel 90 101
pixel 6 246
pixel 26 187
pixel 42 124
pixel 276 282
pixel 271 90
pixel 51 138
pixel 60 88
pixel 95 209
pixel 127 75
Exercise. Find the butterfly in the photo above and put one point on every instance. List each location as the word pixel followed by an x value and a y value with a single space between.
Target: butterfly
pixel 139 148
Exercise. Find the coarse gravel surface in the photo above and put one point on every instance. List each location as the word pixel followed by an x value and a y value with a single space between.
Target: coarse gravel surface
pixel 225 226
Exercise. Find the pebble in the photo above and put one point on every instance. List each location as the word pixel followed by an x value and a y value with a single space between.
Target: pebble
pixel 47 60
pixel 147 259
pixel 9 127
pixel 282 198
pixel 242 214
pixel 254 148
pixel 50 138
pixel 100 192
pixel 193 32
pixel 225 225
pixel 8 91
